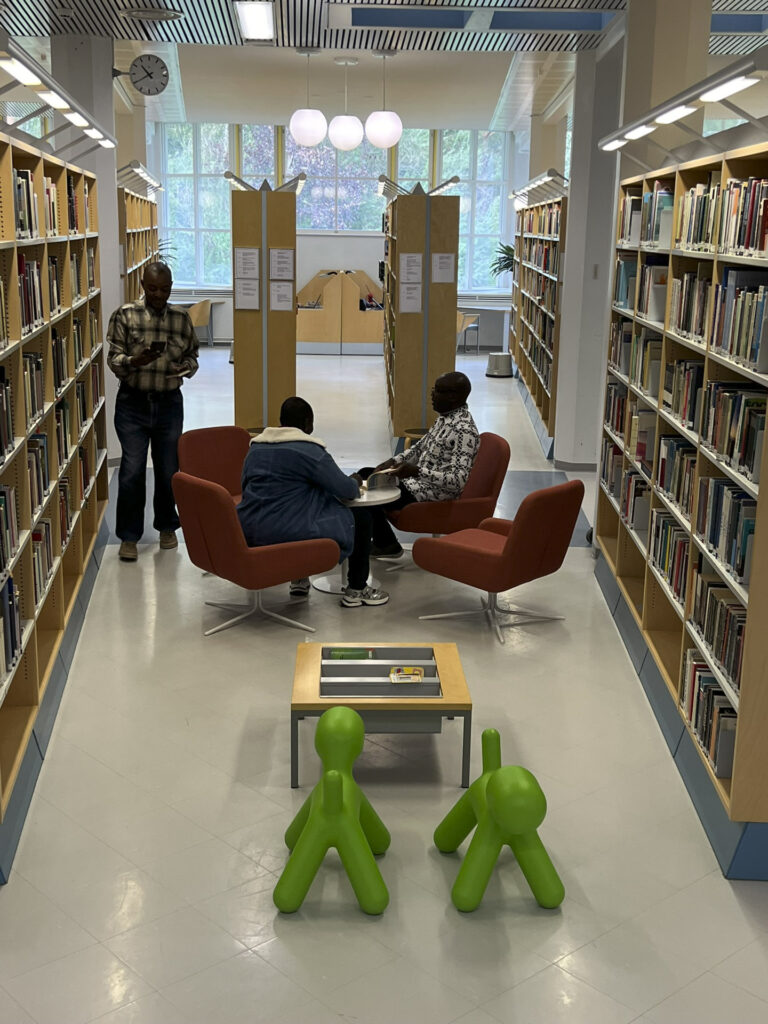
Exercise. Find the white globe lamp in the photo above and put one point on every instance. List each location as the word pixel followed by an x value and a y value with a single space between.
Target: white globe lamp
pixel 346 131
pixel 307 127
pixel 383 128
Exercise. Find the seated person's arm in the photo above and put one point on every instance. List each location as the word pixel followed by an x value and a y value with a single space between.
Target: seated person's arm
pixel 329 477
pixel 455 469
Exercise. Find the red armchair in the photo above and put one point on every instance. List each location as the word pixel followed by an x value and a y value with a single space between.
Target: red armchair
pixel 215 543
pixel 502 554
pixel 216 454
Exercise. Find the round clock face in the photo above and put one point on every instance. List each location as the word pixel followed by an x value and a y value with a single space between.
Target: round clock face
pixel 149 74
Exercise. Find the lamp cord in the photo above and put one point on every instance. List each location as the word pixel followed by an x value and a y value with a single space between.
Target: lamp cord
pixel 384 85
pixel 346 69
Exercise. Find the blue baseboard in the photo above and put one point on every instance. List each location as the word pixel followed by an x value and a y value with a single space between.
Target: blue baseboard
pixel 547 443
pixel 741 847
pixel 18 805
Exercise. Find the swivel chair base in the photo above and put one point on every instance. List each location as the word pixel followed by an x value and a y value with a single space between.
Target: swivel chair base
pixel 245 611
pixel 490 608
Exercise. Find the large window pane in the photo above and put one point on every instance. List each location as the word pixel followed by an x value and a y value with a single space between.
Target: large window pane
pixel 366 161
pixel 483 252
pixel 413 156
pixel 316 206
pixel 457 154
pixel 258 151
pixel 178 148
pixel 463 276
pixel 217 257
pixel 181 201
pixel 181 257
pixel 490 156
pixel 464 192
pixel 359 205
pixel 316 161
pixel 214 148
pixel 488 209
pixel 214 203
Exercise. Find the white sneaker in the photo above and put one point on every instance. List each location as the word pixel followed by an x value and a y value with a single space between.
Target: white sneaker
pixel 369 595
pixel 299 588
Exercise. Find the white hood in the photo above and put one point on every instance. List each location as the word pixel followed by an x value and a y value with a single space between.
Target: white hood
pixel 277 435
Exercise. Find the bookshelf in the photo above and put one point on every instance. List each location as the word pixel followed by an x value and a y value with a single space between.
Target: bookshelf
pixel 264 348
pixel 421 251
pixel 137 228
pixel 53 441
pixel 535 320
pixel 681 523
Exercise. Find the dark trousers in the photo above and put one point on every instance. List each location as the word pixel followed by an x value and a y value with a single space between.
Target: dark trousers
pixel 371 525
pixel 147 420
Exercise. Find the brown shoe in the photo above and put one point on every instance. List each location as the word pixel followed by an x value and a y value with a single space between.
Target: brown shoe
pixel 128 551
pixel 168 540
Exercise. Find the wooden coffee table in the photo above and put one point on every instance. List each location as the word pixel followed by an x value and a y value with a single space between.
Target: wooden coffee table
pixel 400 712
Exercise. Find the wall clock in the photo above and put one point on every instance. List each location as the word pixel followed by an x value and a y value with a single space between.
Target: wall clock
pixel 149 74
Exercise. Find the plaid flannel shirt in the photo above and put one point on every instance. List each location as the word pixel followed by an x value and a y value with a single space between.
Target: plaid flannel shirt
pixel 134 327
pixel 444 455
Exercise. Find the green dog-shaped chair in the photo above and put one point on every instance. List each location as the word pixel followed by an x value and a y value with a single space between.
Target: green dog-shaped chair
pixel 336 814
pixel 507 805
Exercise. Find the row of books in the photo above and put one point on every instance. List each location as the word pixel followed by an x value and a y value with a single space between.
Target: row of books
pixel 616 406
pixel 697 215
pixel 725 521
pixel 81 406
pixel 77 341
pixel 676 472
pixel 669 547
pixel 86 205
pixel 10 626
pixel 6 415
pixel 538 321
pixel 543 289
pixel 30 294
pixel 611 466
pixel 683 390
pixel 3 317
pixel 620 346
pixel 645 361
pixel 42 557
pixel 541 360
pixel 72 206
pixel 709 710
pixel 629 219
pixel 744 215
pixel 9 525
pixel 25 203
pixel 652 294
pixel 37 467
pixel 63 431
pixel 59 359
pixel 90 264
pixel 625 279
pixel 656 216
pixel 542 220
pixel 740 319
pixel 689 305
pixel 96 392
pixel 642 434
pixel 84 463
pixel 543 255
pixel 733 424
pixel 50 207
pixel 33 385
pixel 635 502
pixel 65 509
pixel 74 274
pixel 720 618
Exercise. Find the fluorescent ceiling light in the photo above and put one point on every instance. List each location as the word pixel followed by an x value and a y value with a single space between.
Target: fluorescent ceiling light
pixel 107 143
pixel 614 144
pixel 18 71
pixel 53 99
pixel 727 89
pixel 76 119
pixel 256 19
pixel 93 133
pixel 674 114
pixel 640 131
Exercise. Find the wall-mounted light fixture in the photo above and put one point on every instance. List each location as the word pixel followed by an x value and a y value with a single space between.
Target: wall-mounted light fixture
pixel 550 184
pixel 135 175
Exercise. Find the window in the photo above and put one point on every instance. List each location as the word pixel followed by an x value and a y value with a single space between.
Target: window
pixel 257 154
pixel 413 158
pixel 479 159
pixel 14 111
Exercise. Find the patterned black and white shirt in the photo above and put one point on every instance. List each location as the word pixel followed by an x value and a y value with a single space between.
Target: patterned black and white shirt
pixel 134 327
pixel 444 456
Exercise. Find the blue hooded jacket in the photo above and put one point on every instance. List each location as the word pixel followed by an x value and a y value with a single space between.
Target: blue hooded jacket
pixel 291 491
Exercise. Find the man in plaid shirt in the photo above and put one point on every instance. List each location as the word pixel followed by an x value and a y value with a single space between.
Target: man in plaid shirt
pixel 152 348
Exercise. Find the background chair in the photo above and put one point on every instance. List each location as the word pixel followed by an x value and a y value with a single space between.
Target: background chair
pixel 216 544
pixel 216 454
pixel 477 501
pixel 503 554
pixel 467 322
pixel 200 315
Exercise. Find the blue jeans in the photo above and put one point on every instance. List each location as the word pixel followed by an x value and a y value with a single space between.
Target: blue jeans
pixel 144 419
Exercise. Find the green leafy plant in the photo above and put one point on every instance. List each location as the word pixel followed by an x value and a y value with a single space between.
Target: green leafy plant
pixel 504 263
pixel 166 251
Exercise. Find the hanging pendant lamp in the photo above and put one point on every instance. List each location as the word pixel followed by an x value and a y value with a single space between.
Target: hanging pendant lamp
pixel 345 130
pixel 307 125
pixel 383 128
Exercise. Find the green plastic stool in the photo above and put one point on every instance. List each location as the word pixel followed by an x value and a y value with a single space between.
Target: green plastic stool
pixel 507 806
pixel 336 813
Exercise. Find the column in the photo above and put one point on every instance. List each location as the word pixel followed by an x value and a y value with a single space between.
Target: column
pixel 84 68
pixel 547 145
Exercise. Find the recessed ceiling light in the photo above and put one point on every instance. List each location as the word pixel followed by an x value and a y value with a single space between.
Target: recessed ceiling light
pixel 151 14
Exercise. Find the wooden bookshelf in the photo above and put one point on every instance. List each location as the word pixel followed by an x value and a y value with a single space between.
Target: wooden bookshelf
pixel 418 345
pixel 264 349
pixel 137 226
pixel 535 319
pixel 663 605
pixel 65 421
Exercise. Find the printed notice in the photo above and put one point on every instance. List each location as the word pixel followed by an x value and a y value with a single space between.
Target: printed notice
pixel 246 293
pixel 410 298
pixel 410 267
pixel 281 296
pixel 281 264
pixel 247 264
pixel 443 268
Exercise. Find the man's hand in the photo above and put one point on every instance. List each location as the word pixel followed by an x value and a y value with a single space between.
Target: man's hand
pixel 357 478
pixel 143 358
pixel 406 470
pixel 384 465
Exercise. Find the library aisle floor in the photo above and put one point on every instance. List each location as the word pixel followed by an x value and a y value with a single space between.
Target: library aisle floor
pixel 142 889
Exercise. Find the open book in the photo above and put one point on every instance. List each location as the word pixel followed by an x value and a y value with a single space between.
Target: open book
pixel 382 478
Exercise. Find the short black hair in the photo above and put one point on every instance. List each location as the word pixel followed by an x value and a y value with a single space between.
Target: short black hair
pixel 294 412
pixel 159 268
pixel 456 382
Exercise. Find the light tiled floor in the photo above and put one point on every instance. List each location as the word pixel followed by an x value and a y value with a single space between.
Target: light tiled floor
pixel 142 890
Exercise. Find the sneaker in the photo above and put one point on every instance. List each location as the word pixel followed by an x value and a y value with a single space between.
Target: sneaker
pixel 392 551
pixel 300 588
pixel 168 540
pixel 369 595
pixel 128 551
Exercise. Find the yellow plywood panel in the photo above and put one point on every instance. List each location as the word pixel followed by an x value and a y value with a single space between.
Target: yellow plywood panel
pixel 359 326
pixel 322 323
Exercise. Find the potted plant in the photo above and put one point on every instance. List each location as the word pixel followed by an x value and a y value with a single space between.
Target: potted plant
pixel 504 263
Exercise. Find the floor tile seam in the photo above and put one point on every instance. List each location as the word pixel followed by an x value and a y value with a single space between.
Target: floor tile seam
pixel 730 981
pixel 177 892
pixel 162 989
pixel 16 1002
pixel 48 963
pixel 607 995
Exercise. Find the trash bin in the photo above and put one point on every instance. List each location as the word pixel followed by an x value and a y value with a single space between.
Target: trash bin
pixel 499 365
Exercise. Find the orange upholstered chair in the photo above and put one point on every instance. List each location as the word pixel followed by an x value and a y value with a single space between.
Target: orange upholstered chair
pixel 215 543
pixel 477 501
pixel 216 454
pixel 502 554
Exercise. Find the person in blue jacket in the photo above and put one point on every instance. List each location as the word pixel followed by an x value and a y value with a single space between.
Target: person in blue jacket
pixel 293 490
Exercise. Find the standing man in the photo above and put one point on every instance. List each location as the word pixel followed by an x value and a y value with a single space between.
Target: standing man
pixel 152 347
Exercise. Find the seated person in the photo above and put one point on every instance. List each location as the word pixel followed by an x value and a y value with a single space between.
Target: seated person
pixel 292 490
pixel 437 467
